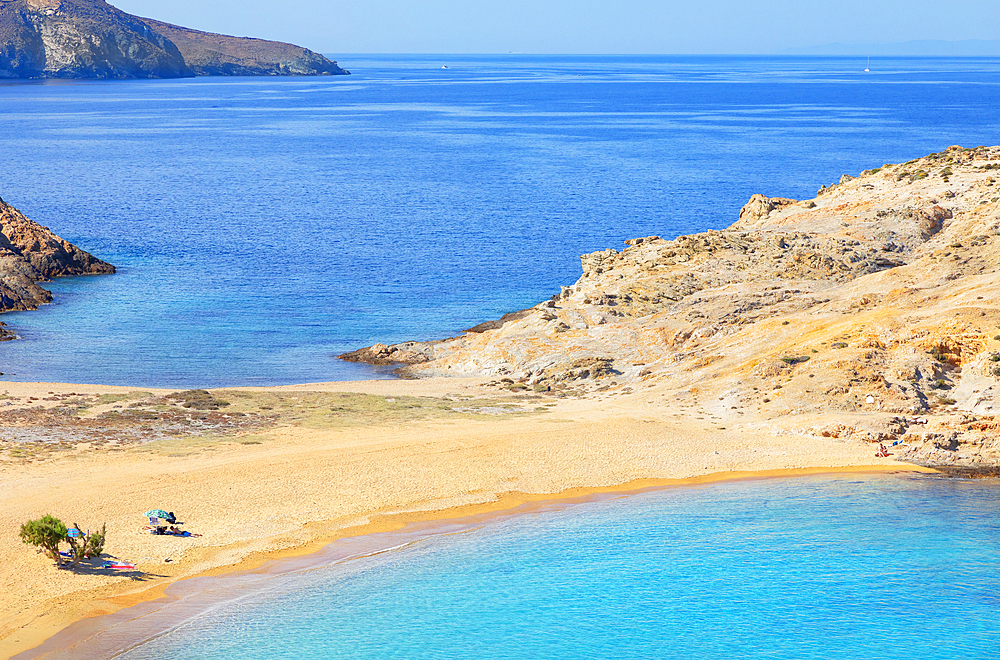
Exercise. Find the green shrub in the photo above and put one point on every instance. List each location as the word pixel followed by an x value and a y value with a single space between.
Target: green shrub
pixel 48 532
pixel 198 399
pixel 938 354
pixel 838 344
pixel 45 533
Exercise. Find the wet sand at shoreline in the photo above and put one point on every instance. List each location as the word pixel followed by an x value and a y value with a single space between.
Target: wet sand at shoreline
pixel 289 488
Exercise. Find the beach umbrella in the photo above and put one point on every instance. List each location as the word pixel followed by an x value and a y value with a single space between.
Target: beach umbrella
pixel 156 513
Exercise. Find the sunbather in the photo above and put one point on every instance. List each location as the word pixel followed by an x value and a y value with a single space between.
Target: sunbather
pixel 177 532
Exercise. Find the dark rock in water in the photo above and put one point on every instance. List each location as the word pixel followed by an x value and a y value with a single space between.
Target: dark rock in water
pixel 92 39
pixel 211 54
pixel 381 354
pixel 30 253
pixel 82 39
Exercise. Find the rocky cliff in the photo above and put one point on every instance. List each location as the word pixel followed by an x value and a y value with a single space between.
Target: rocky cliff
pixel 30 253
pixel 219 55
pixel 81 39
pixel 871 311
pixel 92 39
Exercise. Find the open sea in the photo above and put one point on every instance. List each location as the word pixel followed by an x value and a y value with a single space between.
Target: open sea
pixel 261 226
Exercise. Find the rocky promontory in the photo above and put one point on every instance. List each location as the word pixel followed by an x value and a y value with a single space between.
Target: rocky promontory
pixel 92 39
pixel 29 254
pixel 871 311
pixel 211 54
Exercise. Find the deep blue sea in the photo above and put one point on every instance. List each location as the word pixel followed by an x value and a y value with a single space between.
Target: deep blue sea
pixel 823 567
pixel 261 226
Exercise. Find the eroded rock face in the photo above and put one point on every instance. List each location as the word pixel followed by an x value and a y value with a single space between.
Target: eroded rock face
pixel 82 39
pixel 877 303
pixel 92 39
pixel 30 253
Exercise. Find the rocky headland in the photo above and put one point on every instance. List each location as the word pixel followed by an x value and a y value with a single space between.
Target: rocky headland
pixel 92 39
pixel 29 254
pixel 211 54
pixel 869 312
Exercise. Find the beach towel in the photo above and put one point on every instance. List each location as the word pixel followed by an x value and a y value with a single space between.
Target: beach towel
pixel 118 566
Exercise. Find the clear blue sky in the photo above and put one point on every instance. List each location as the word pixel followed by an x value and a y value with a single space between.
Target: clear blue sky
pixel 579 26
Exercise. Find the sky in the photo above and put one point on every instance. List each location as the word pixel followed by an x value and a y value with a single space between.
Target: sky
pixel 579 26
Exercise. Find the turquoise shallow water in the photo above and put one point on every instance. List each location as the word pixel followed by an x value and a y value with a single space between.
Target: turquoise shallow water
pixel 262 226
pixel 819 567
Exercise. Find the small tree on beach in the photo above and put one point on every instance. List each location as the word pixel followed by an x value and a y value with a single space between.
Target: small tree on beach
pixel 91 545
pixel 48 532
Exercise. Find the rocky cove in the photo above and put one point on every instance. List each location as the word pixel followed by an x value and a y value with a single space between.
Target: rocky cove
pixel 868 312
pixel 31 253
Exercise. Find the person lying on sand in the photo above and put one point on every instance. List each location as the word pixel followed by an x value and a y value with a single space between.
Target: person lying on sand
pixel 173 531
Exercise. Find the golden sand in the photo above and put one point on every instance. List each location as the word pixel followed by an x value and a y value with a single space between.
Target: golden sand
pixel 301 488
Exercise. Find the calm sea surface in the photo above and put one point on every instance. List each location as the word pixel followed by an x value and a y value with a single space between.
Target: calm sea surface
pixel 262 226
pixel 850 567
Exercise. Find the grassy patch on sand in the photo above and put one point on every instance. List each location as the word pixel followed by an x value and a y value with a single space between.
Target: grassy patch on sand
pixel 192 421
pixel 324 410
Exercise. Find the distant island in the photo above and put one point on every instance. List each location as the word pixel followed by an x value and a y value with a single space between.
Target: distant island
pixel 92 39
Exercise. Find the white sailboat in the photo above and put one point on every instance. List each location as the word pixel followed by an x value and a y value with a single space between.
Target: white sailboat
pixel 867 66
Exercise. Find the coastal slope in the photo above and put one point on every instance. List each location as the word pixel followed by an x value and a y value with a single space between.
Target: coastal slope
pixel 82 39
pixel 874 302
pixel 211 54
pixel 92 39
pixel 31 253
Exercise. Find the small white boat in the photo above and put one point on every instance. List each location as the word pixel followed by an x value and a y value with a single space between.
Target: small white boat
pixel 446 66
pixel 867 69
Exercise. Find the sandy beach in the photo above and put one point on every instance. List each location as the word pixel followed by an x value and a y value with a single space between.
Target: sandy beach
pixel 291 484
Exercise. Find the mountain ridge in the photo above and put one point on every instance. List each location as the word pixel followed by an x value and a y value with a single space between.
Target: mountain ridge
pixel 93 39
